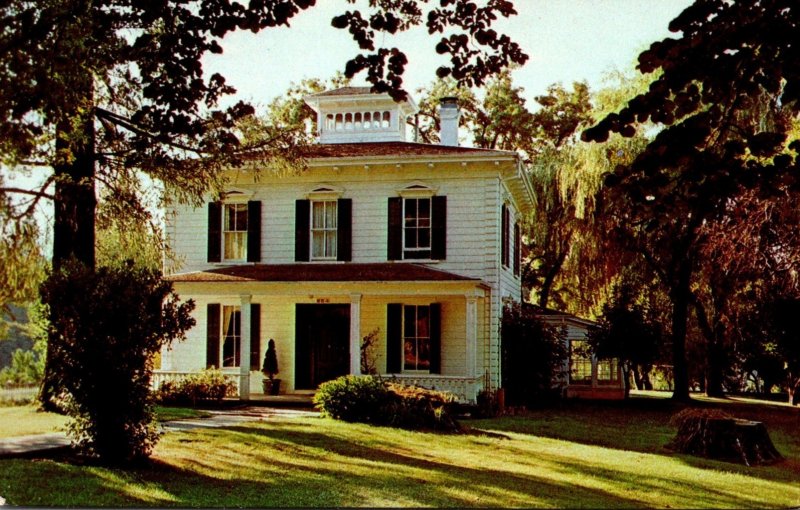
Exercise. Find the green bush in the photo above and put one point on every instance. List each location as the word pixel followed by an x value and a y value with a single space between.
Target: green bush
pixel 206 386
pixel 367 399
pixel 105 328
pixel 353 398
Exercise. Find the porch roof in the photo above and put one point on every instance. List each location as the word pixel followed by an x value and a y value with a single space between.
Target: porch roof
pixel 376 272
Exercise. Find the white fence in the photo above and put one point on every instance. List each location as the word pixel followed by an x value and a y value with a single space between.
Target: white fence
pixel 464 388
pixel 18 394
pixel 162 376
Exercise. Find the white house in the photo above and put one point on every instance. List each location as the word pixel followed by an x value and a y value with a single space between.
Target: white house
pixel 418 242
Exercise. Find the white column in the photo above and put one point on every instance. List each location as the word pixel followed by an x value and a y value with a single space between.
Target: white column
pixel 471 333
pixel 355 334
pixel 244 344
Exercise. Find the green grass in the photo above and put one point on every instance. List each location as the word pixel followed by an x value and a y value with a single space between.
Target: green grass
pixel 27 420
pixel 578 455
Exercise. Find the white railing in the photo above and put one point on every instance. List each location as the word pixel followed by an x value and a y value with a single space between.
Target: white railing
pixel 162 376
pixel 464 388
pixel 18 394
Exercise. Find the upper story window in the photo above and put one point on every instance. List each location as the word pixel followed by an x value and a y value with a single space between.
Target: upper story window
pixel 510 241
pixel 417 228
pixel 417 224
pixel 323 226
pixel 234 232
pixel 324 229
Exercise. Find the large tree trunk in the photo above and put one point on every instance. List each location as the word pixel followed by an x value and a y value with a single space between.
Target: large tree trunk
pixel 715 369
pixel 680 312
pixel 74 219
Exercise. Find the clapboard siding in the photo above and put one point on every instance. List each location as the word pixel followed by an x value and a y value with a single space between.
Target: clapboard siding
pixel 472 210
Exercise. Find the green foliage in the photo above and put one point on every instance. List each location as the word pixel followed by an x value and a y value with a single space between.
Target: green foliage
pixel 354 398
pixel 26 367
pixel 106 327
pixel 625 332
pixel 533 356
pixel 368 399
pixel 368 366
pixel 270 365
pixel 207 386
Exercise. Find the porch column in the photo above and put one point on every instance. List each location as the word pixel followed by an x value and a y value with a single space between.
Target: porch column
pixel 244 347
pixel 471 333
pixel 355 334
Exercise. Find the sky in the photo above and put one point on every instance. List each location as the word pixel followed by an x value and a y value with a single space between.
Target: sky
pixel 567 40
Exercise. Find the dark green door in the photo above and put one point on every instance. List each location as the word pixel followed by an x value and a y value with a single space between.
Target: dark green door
pixel 322 336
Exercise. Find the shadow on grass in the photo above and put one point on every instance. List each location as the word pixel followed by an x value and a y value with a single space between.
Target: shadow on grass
pixel 302 475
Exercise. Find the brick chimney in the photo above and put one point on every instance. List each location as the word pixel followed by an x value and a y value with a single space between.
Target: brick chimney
pixel 448 120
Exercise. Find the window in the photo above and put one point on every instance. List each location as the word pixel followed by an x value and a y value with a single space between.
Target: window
pixel 231 335
pixel 323 229
pixel 505 220
pixel 580 362
pixel 416 338
pixel 417 228
pixel 234 232
pixel 607 371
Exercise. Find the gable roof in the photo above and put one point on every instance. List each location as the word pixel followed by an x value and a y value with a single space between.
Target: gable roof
pixel 376 272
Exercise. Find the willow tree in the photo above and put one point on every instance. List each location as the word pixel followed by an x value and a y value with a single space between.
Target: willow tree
pixel 725 89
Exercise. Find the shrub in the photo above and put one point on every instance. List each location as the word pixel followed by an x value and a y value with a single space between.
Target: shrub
pixel 206 386
pixel 353 398
pixel 533 356
pixel 105 328
pixel 368 399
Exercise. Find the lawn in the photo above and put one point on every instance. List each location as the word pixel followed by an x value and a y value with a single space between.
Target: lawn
pixel 26 420
pixel 578 455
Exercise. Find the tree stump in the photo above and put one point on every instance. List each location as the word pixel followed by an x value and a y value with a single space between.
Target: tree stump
pixel 716 435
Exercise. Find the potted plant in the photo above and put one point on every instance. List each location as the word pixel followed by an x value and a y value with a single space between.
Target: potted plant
pixel 270 368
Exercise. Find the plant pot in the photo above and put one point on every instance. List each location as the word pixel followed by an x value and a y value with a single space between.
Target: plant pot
pixel 272 386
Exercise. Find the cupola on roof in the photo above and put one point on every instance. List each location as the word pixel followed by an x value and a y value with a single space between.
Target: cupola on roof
pixel 355 114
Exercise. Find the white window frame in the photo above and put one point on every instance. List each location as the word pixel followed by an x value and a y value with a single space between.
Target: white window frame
pixel 240 234
pixel 324 229
pixel 418 249
pixel 235 338
pixel 416 339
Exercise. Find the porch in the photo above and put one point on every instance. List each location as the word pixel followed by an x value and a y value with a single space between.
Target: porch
pixel 465 389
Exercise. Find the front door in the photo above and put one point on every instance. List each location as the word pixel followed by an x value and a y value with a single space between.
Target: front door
pixel 322 336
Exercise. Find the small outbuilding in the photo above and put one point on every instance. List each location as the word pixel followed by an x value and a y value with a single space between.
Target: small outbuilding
pixel 587 377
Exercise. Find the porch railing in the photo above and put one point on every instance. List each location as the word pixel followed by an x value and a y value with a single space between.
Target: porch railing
pixel 162 376
pixel 465 389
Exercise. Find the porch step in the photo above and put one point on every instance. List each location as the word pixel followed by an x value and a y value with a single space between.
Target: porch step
pixel 296 399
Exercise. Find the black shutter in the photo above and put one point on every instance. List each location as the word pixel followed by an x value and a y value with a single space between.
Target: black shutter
pixel 344 225
pixel 302 229
pixel 517 249
pixel 212 335
pixel 255 336
pixel 439 228
pixel 254 231
pixel 395 237
pixel 394 338
pixel 436 338
pixel 504 237
pixel 214 232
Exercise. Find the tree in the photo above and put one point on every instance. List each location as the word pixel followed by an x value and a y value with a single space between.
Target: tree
pixel 625 332
pixel 105 328
pixel 534 356
pixel 723 94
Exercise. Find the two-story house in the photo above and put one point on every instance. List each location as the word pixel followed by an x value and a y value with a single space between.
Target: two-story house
pixel 417 242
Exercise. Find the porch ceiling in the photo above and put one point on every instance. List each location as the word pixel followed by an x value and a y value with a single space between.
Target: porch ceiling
pixel 378 272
